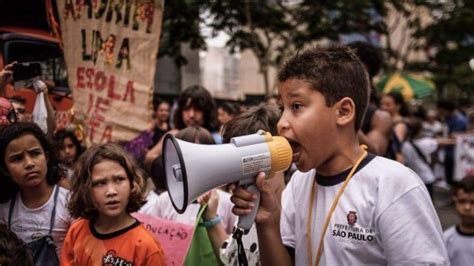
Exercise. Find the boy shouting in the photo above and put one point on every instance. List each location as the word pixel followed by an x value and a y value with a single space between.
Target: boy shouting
pixel 343 206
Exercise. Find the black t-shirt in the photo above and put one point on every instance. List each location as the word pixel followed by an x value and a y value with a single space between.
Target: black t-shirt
pixel 157 134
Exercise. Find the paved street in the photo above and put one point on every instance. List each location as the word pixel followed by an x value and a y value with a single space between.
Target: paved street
pixel 445 207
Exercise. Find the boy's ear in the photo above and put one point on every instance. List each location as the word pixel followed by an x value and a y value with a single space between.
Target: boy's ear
pixel 345 111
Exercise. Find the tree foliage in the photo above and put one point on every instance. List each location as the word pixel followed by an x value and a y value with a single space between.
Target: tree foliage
pixel 181 22
pixel 272 31
pixel 260 26
pixel 450 39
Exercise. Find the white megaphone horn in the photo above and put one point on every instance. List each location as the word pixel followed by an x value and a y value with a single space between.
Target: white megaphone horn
pixel 192 169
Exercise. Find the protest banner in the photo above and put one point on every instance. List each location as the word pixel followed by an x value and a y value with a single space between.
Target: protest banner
pixel 464 163
pixel 110 49
pixel 174 238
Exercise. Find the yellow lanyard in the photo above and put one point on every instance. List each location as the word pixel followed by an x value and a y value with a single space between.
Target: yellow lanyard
pixel 328 216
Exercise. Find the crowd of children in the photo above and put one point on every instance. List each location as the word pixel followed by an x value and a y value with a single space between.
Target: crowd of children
pixel 64 204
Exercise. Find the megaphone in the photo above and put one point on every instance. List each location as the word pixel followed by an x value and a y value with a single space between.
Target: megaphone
pixel 192 169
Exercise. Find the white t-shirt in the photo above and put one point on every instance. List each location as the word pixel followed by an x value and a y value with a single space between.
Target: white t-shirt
pixel 460 247
pixel 151 203
pixel 162 207
pixel 32 224
pixel 435 129
pixel 396 221
pixel 427 146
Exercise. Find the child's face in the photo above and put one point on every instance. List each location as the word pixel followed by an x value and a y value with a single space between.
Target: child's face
pixel 387 103
pixel 68 152
pixel 465 206
pixel 222 116
pixel 26 161
pixel 351 218
pixel 110 188
pixel 20 112
pixel 192 116
pixel 163 112
pixel 307 123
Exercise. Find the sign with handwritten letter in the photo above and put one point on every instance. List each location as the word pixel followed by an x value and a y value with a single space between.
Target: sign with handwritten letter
pixel 110 48
pixel 464 156
pixel 175 238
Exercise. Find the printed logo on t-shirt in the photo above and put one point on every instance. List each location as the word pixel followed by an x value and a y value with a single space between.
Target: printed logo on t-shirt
pixel 350 232
pixel 111 259
pixel 33 229
pixel 352 218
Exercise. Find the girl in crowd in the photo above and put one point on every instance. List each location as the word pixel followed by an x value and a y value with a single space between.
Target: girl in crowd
pixel 395 105
pixel 161 125
pixel 107 187
pixel 419 151
pixel 226 111
pixel 32 204
pixel 69 149
pixel 147 139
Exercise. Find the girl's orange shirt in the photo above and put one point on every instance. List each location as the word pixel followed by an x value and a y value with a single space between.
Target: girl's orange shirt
pixel 133 245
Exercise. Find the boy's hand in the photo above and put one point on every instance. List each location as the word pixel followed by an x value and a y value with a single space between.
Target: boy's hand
pixel 212 199
pixel 268 212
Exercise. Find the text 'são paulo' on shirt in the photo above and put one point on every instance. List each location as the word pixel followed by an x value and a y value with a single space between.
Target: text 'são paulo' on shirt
pixel 384 216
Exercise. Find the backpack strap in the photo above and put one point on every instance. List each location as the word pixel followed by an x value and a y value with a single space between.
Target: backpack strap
pixel 420 154
pixel 10 211
pixel 53 214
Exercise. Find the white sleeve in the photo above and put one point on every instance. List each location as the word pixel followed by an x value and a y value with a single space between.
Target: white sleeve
pixel 410 231
pixel 151 205
pixel 224 209
pixel 287 222
pixel 428 146
pixel 408 153
pixel 164 208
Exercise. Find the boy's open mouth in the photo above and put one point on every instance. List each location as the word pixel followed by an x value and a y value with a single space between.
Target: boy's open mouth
pixel 296 147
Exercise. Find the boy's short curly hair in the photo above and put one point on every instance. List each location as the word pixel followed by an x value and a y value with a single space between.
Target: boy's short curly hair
pixel 81 204
pixel 333 70
pixel 195 134
pixel 466 184
pixel 8 188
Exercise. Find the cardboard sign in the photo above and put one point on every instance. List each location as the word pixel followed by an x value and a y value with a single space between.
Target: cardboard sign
pixel 464 161
pixel 110 50
pixel 175 238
